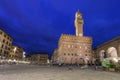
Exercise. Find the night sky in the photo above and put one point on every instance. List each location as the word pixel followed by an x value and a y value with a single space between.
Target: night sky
pixel 36 25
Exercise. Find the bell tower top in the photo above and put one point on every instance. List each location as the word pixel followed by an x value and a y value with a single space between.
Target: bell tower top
pixel 79 23
pixel 78 14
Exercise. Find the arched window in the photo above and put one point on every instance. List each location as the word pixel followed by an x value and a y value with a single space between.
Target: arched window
pixel 102 54
pixel 112 52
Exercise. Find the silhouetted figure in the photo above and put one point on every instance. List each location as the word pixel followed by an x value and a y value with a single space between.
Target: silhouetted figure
pixel 96 63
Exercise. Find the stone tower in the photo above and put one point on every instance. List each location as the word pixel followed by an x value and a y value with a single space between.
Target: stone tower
pixel 73 49
pixel 79 24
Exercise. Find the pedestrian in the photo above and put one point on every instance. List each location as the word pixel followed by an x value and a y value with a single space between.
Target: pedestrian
pixel 96 63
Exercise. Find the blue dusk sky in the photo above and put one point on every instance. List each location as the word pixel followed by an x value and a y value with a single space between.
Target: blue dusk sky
pixel 36 25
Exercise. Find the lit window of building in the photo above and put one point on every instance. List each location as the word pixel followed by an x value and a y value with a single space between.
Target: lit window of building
pixel 75 43
pixel 68 46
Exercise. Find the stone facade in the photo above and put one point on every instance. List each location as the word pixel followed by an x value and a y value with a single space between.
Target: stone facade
pixel 39 58
pixel 73 49
pixel 55 56
pixel 5 44
pixel 16 52
pixel 108 49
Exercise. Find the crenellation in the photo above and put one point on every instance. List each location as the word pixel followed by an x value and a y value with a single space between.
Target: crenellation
pixel 75 47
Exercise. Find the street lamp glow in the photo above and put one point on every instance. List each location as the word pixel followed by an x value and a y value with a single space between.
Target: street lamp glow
pixel 14 49
pixel 24 54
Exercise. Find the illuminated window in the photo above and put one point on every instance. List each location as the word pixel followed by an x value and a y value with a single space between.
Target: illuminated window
pixel 80 47
pixel 68 46
pixel 80 34
pixel 14 49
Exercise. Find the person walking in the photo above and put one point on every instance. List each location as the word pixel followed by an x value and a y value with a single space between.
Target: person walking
pixel 96 63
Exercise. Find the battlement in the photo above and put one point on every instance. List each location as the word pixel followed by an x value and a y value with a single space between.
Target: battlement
pixel 69 36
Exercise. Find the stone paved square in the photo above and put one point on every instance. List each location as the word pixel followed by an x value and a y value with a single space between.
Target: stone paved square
pixel 37 72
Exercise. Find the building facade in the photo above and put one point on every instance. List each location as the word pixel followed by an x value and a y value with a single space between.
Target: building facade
pixel 39 58
pixel 5 44
pixel 74 49
pixel 108 49
pixel 16 52
pixel 55 56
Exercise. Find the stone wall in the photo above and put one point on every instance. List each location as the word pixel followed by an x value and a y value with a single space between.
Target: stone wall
pixel 114 43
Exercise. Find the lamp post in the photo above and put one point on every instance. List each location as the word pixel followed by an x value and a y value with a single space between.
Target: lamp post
pixel 0 51
pixel 24 55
